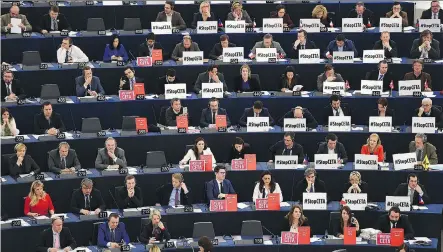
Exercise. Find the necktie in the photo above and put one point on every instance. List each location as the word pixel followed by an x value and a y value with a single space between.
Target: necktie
pixel 8 89
pixel 312 189
pixel 213 117
pixel 87 202
pixel 394 225
pixel 177 198
pixel 302 47
pixel 56 241
pixel 221 187
pixel 359 16
pixel 381 77
pixel 419 154
pixel 63 163
pixel 112 235
pixel 435 15
pixel 337 113
pixel 132 84
pixel 67 56
pixel 55 25
pixel 287 152
pixel 256 114
pixel 411 196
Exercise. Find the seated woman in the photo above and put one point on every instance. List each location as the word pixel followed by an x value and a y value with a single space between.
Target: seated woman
pixel 205 245
pixel 321 13
pixel 373 147
pixel 204 14
pixel 20 163
pixel 294 219
pixel 38 201
pixel 245 82
pixel 156 230
pixel 237 13
pixel 199 148
pixel 289 79
pixel 8 124
pixel 265 186
pixel 355 184
pixel 115 51
pixel 346 220
pixel 239 149
pixel 281 13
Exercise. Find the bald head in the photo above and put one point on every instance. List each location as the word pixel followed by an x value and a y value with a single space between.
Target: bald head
pixel 57 225
pixel 298 112
pixel 14 11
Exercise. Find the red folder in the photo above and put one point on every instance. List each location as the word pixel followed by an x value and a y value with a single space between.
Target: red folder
pixel 397 236
pixel 350 235
pixel 141 123
pixel 251 162
pixel 139 89
pixel 231 202
pixel 304 235
pixel 208 161
pixel 274 201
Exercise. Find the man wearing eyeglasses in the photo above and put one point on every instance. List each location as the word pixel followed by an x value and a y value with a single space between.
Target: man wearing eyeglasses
pixel 426 110
pixel 220 186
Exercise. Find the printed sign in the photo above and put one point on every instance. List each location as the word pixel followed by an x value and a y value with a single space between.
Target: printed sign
pixel 206 27
pixel 366 162
pixel 232 26
pixel 343 57
pixel 264 54
pixel 373 56
pixel 218 206
pixel 408 87
pixel 126 95
pixel 272 25
pixel 402 202
pixel 339 123
pixel 326 161
pixel 349 235
pixel 286 162
pixel 397 236
pixel 289 238
pixel 429 24
pixel 329 87
pixel 144 61
pixel 175 91
pixel 314 201
pixel 309 56
pixel 352 25
pixel 391 25
pixel 369 86
pixel 141 124
pixel 193 58
pixel 383 239
pixel 310 24
pixel 230 53
pixel 220 123
pixel 380 124
pixel 251 162
pixel 257 124
pixel 161 27
pixel 208 161
pixel 356 201
pixel 196 165
pixel 294 124
pixel 210 90
pixel 404 161
pixel 238 165
pixel 423 125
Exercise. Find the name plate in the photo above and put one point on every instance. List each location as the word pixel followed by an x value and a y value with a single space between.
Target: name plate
pixel 380 124
pixel 193 58
pixel 314 201
pixel 309 56
pixel 231 53
pixel 235 26
pixel 343 57
pixel 257 124
pixel 329 87
pixel 264 54
pixel 286 162
pixel 373 56
pixel 352 25
pixel 356 201
pixel 210 90
pixel 404 161
pixel 408 87
pixel 383 239
pixel 175 91
pixel 310 24
pixel 366 162
pixel 325 161
pixel 261 204
pixel 423 125
pixel 238 165
pixel 402 202
pixel 161 27
pixel 206 27
pixel 369 86
pixel 339 123
pixel 289 238
pixel 272 25
pixel 294 124
pixel 429 24
pixel 391 24
pixel 126 95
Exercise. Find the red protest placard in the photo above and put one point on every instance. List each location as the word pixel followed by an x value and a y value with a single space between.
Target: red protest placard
pixel 397 236
pixel 144 61
pixel 126 95
pixel 141 123
pixel 157 55
pixel 349 236
pixel 208 161
pixel 217 206
pixel 274 201
pixel 220 121
pixel 139 89
pixel 238 165
pixel 196 165
pixel 261 204
pixel 182 122
pixel 304 235
pixel 383 239
pixel 289 238
pixel 251 162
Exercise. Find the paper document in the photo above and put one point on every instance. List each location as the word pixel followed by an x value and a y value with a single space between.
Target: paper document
pixel 65 216
pixel 357 128
pixel 15 22
pixel 284 204
pixel 357 59
pixel 242 205
pixel 315 239
pixel 26 175
pixel 197 210
pixel 408 28
pixel 41 217
pixel 332 29
pixel 428 94
pixel 3 179
pixel 268 242
pixel 419 207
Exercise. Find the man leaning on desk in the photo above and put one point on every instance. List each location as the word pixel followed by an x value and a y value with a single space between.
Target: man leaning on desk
pixel 414 190
pixel 63 159
pixel 48 122
pixel 88 85
pixel 394 219
pixel 87 200
pixel 287 147
pixel 423 148
pixel 257 110
pixel 111 156
pixel 53 21
pixel 70 53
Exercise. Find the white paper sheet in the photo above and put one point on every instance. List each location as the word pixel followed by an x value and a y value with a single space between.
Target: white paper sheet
pixel 284 204
pixel 242 205
pixel 15 25
pixel 419 207
pixel 197 210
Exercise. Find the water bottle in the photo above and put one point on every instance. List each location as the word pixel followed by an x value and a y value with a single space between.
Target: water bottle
pixel 326 234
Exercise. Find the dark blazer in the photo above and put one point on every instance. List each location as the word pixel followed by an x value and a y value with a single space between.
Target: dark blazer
pixel 402 190
pixel 387 78
pixel 103 160
pixel 428 150
pixel 176 20
pixel 212 190
pixel 204 78
pixel 179 48
pixel 206 117
pixel 326 21
pixel 104 234
pixel 46 240
pixel 388 54
pixel 423 77
pixel 143 50
pixel 427 14
pixel 339 150
pixel 54 161
pixel 348 46
pixel 198 17
pixel 301 186
pixel 389 112
pixel 78 201
pixel 327 112
pixel 286 18
pixel 162 81
pixel 308 45
pixel 159 235
pixel 284 82
pixel 363 187
pixel 94 86
pixel 254 84
pixel 17 89
pixel 217 50
pixel 285 227
pixel 367 16
pixel 127 85
pixel 249 112
pixel 279 147
pixel 434 53
pixel 403 15
pixel 123 200
pixel 171 116
pixel 41 125
pixel 28 165
pixel 337 230
pixel 384 225
pixel 310 120
pixel 164 192
pixel 45 23
pixel 234 154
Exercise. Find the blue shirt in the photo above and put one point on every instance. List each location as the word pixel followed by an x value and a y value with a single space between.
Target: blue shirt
pixel 172 197
pixel 245 85
pixel 116 52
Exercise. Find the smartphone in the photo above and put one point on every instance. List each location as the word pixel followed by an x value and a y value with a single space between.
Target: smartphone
pixel 185 110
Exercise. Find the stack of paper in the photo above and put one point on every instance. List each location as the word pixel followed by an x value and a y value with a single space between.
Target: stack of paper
pixel 242 205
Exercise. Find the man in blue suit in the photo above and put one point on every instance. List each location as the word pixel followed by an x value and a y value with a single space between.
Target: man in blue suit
pixel 340 44
pixel 88 85
pixel 113 233
pixel 257 110
pixel 207 119
pixel 219 187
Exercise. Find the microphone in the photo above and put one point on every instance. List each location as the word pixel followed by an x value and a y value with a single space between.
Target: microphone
pixel 132 55
pixel 275 237
pixel 73 123
pixel 112 196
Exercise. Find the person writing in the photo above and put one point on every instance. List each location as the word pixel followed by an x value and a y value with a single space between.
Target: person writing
pixel 265 186
pixel 199 148
pixel 130 195
pixel 294 219
pixel 155 230
pixel 8 127
pixel 289 80
pixel 20 163
pixel 346 220
pixel 239 149
pixel 63 160
pixel 38 202
pixel 87 200
pixel 373 147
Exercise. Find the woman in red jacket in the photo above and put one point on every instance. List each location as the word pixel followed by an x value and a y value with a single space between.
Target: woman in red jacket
pixel 38 201
pixel 373 147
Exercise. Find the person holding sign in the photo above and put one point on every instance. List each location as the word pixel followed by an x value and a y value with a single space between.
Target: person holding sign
pixel 199 148
pixel 309 184
pixel 393 219
pixel 382 74
pixel 239 149
pixel 205 245
pixel 302 43
pixel 57 238
pixel 115 51
pixel 209 115
pixel 361 11
pixel 340 44
pixel 425 47
pixel 63 159
pixel 385 43
pixel 20 163
pixel 299 112
pixel 280 12
pixel 186 45
pixel 217 51
pixel 382 109
pixel 145 48
pixel 346 219
pixel 265 186
pixel 87 200
pixel 257 110
pixel 175 193
pixel 7 18
pixel 170 15
pixel 423 149
pixel 320 12
pixel 111 156
pixel 333 146
pixel 435 12
pixel 287 147
pixel 204 14
pixel 396 12
pixel 237 13
pixel 112 233
pixel 289 80
pixel 88 85
pixel 219 187
pixel 38 202
pixel 11 88
pixel 427 110
pixel 127 82
pixel 8 126
pixel 329 75
pixel 154 231
pixel 129 195
pixel 415 191
pixel 169 78
pixel 48 122
pixel 210 76
pixel 268 43
pixel 294 219
pixel 245 82
pixel 335 109
pixel 172 112
pixel 373 147
pixel 418 74
pixel 355 184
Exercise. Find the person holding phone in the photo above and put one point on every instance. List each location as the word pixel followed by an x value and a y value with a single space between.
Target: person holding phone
pixel 175 110
pixel 346 219
pixel 87 84
pixel 175 193
pixel 155 230
pixel 127 82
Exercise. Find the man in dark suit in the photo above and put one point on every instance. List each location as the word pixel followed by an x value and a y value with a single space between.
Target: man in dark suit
pixel 87 200
pixel 425 46
pixel 309 184
pixel 434 12
pixel 170 15
pixel 383 109
pixel 220 186
pixel 175 193
pixel 418 74
pixel 56 238
pixel 110 156
pixel 54 21
pixel 88 85
pixel 415 191
pixel 130 195
pixel 217 51
pixel 385 43
pixel 208 116
pixel 393 219
pixel 423 148
pixel 48 122
pixel 127 82
pixel 210 76
pixel 145 48
pixel 169 78
pixel 63 159
pixel 382 74
pixel 257 110
pixel 302 43
pixel 360 11
pixel 172 112
pixel 427 110
pixel 187 45
pixel 334 109
pixel 299 112
pixel 340 44
pixel 328 75
pixel 287 147
pixel 112 233
pixel 11 88
pixel 333 146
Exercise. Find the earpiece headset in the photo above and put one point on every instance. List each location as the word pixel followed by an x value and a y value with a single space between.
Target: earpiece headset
pixel 213 99
pixel 412 175
pixel 422 136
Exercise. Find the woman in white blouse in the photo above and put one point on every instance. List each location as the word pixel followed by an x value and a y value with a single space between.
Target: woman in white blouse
pixel 199 148
pixel 265 186
pixel 8 124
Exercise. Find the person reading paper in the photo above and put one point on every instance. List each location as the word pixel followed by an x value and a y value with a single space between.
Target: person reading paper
pixel 294 219
pixel 415 191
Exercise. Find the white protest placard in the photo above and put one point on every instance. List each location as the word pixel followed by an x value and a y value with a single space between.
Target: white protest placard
pixel 264 54
pixel 177 90
pixel 423 125
pixel 339 123
pixel 343 57
pixel 391 25
pixel 257 124
pixel 330 86
pixel 193 58
pixel 314 201
pixel 232 26
pixel 309 56
pixel 369 86
pixel 352 24
pixel 310 24
pixel 210 90
pixel 356 201
pixel 325 161
pixel 233 53
pixel 408 87
pixel 373 56
pixel 366 162
pixel 404 161
pixel 402 202
pixel 380 124
pixel 16 29
pixel 429 24
pixel 294 124
pixel 286 162
pixel 207 27
pixel 272 25
pixel 161 27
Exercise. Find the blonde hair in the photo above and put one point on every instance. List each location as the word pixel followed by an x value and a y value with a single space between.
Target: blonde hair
pixel 155 212
pixel 378 141
pixel 357 175
pixel 320 8
pixel 203 4
pixel 154 249
pixel 34 198
pixel 19 147
pixel 247 67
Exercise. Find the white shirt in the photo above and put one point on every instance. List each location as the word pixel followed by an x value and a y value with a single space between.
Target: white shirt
pixel 259 195
pixel 218 184
pixel 331 151
pixel 340 111
pixel 74 52
pixel 169 17
pixel 12 127
pixel 191 156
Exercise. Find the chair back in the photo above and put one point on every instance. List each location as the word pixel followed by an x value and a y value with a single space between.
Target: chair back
pixel 95 24
pixel 91 125
pixel 251 228
pixel 95 226
pixel 49 91
pixel 203 229
pixel 333 217
pixel 31 58
pixel 5 164
pixel 162 120
pixel 128 123
pixel 132 24
pixel 155 159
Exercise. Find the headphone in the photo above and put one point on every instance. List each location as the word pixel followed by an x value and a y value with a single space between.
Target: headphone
pixel 378 141
pixel 412 175
pixel 422 136
pixel 213 99
pixel 419 62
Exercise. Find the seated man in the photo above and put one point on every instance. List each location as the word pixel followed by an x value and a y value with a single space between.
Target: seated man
pixel 175 193
pixel 220 186
pixel 427 110
pixel 14 13
pixel 217 51
pixel 302 43
pixel 425 46
pixel 63 159
pixel 383 109
pixel 299 112
pixel 334 109
pixel 268 43
pixel 418 74
pixel 435 12
pixel 88 85
pixel 208 116
pixel 382 74
pixel 340 44
pixel 127 82
pixel 111 156
pixel 130 195
pixel 87 200
pixel 287 147
pixel 186 45
pixel 393 219
pixel 169 78
pixel 69 53
pixel 415 191
pixel 56 238
pixel 11 89
pixel 112 233
pixel 396 12
pixel 257 110
pixel 333 146
pixel 175 110
pixel 361 11
pixel 53 21
pixel 329 75
pixel 385 43
pixel 48 122
pixel 210 76
pixel 145 48
pixel 309 184
pixel 422 149
pixel 170 15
